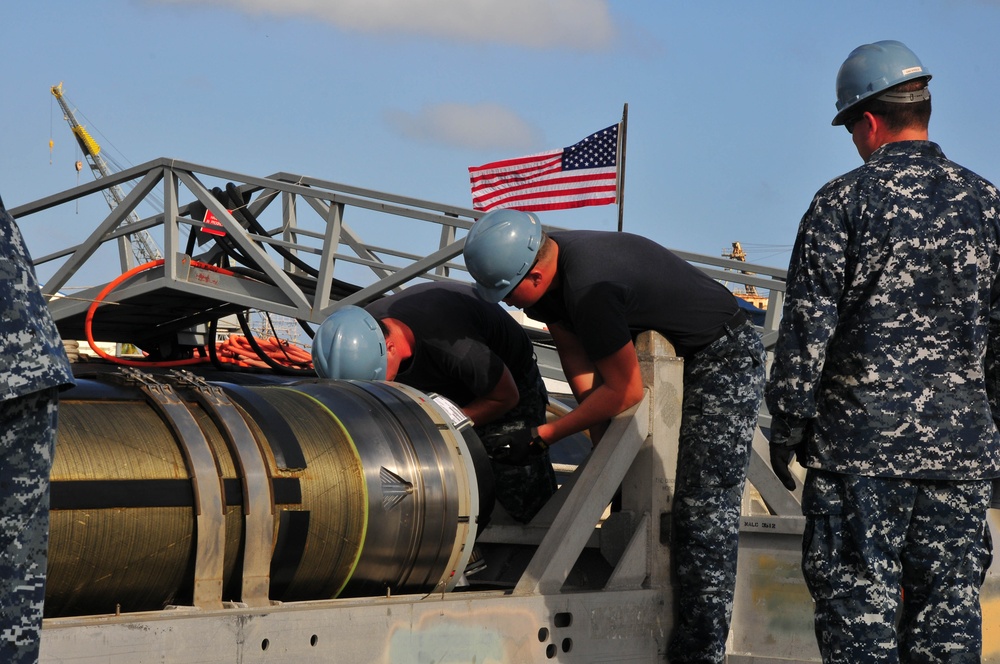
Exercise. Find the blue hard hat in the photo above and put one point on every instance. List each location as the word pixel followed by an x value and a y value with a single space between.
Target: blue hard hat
pixel 871 69
pixel 500 249
pixel 349 345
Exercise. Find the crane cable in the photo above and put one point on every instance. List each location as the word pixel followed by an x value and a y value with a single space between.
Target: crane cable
pixel 238 351
pixel 52 115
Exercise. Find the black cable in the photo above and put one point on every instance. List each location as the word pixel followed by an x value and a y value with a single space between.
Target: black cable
pixel 213 354
pixel 248 333
pixel 243 214
pixel 238 203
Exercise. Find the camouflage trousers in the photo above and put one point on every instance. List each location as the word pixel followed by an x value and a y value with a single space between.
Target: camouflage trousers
pixel 895 567
pixel 523 490
pixel 27 443
pixel 723 387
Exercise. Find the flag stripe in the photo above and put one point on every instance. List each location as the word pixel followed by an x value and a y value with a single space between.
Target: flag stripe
pixel 585 173
pixel 519 163
pixel 527 198
pixel 498 199
pixel 560 202
pixel 499 179
pixel 583 195
pixel 564 204
pixel 556 202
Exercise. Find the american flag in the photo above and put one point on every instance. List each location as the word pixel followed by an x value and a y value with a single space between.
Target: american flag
pixel 585 173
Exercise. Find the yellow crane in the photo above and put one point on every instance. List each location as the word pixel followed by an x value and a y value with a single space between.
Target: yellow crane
pixel 143 248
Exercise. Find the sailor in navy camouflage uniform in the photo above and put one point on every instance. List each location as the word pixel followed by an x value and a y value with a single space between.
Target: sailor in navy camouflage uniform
pixel 597 291
pixel 884 380
pixel 33 366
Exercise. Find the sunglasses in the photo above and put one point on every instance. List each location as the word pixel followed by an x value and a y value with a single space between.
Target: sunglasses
pixel 849 124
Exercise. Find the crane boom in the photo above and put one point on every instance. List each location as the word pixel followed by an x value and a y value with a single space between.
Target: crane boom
pixel 143 248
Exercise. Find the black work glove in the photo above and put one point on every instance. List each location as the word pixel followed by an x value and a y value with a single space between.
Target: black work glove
pixel 787 440
pixel 515 448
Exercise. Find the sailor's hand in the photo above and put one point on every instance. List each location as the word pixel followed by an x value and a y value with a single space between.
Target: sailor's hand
pixel 515 448
pixel 787 440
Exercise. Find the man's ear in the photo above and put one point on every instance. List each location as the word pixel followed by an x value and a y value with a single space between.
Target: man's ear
pixel 535 275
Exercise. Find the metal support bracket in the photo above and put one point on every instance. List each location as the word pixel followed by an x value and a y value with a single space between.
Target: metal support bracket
pixel 210 527
pixel 598 480
pixel 258 498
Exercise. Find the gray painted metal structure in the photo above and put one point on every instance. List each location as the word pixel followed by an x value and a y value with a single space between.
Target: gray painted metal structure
pixel 376 243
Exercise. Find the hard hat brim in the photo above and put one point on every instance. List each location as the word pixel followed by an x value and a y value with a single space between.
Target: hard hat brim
pixel 493 295
pixel 843 114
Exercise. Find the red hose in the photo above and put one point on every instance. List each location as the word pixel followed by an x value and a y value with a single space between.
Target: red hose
pixel 235 350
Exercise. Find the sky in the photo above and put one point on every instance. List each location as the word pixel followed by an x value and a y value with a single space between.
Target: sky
pixel 729 102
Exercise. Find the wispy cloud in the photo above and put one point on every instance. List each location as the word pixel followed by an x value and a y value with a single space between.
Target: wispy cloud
pixel 584 25
pixel 476 127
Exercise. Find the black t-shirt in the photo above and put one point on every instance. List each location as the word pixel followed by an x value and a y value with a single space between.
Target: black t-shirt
pixel 462 342
pixel 612 286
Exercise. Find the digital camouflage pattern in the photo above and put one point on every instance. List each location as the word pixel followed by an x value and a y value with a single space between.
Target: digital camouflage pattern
pixel 33 365
pixel 31 353
pixel 523 490
pixel 27 441
pixel 891 285
pixel 723 388
pixel 887 353
pixel 852 568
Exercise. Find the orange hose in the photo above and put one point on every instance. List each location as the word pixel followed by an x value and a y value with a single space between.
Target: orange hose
pixel 280 351
pixel 234 350
pixel 88 322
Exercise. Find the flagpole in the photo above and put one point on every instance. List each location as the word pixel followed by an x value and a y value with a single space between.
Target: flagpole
pixel 622 133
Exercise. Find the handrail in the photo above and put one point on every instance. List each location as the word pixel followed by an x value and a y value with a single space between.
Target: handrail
pixel 342 231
